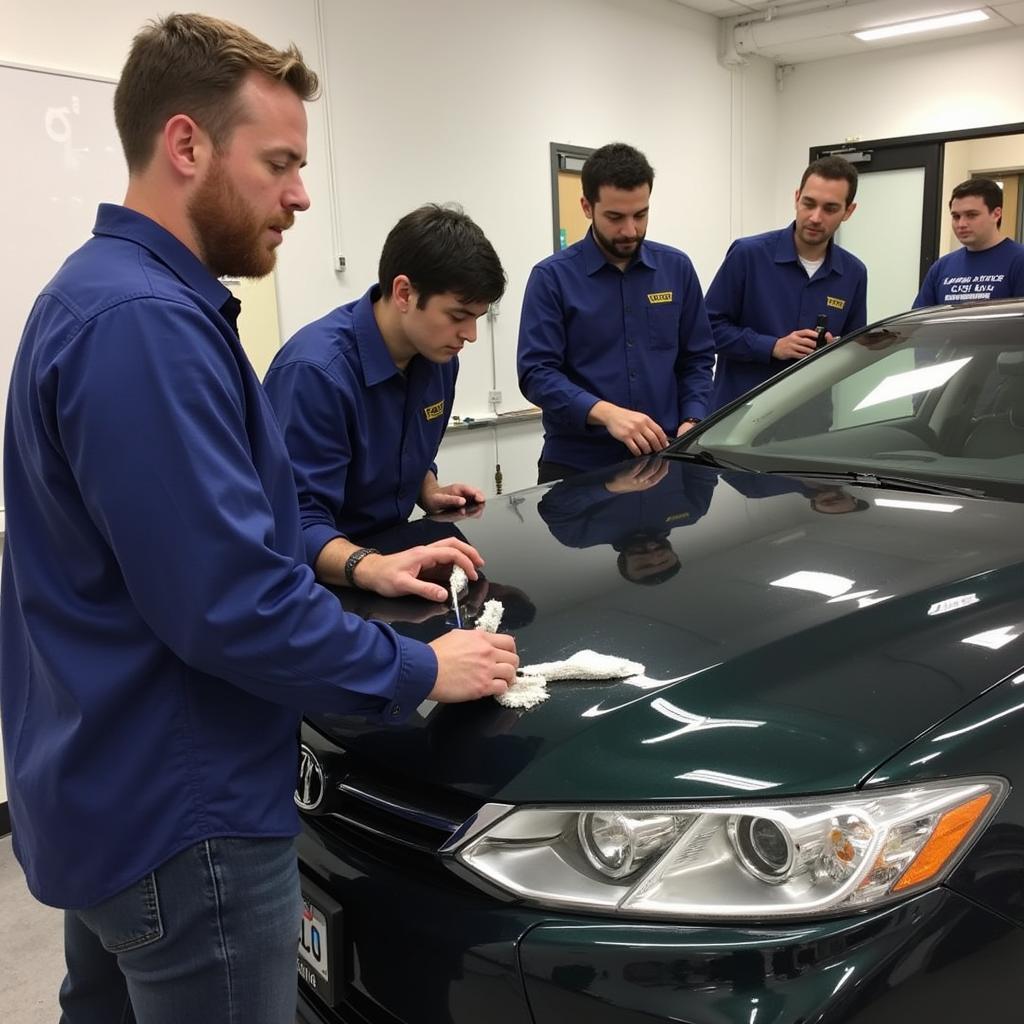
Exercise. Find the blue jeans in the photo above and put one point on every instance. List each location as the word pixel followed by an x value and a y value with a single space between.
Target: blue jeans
pixel 211 936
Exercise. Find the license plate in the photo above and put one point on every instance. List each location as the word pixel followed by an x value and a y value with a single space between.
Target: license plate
pixel 313 939
pixel 320 940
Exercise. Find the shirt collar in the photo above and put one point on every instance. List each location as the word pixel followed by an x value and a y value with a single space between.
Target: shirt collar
pixel 785 251
pixel 374 358
pixel 594 258
pixel 120 222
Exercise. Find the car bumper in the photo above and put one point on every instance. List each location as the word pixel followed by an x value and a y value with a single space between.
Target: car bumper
pixel 419 945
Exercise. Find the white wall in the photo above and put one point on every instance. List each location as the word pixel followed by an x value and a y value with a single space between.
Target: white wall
pixel 459 101
pixel 972 82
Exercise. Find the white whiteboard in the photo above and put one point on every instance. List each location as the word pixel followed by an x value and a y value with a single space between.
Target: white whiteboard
pixel 64 158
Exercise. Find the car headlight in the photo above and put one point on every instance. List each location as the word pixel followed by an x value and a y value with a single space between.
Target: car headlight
pixel 787 858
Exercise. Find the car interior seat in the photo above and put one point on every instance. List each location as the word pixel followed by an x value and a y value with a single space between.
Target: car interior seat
pixel 1002 432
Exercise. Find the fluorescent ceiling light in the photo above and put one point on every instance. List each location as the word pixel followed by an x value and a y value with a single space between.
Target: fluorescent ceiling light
pixel 923 25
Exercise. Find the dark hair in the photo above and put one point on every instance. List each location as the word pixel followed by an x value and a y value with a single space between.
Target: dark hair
pixel 618 165
pixel 833 168
pixel 440 249
pixel 986 189
pixel 195 65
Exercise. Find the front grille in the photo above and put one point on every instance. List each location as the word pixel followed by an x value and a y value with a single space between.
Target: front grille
pixel 383 805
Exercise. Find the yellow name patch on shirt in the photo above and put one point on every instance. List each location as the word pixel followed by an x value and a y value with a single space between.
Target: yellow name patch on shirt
pixel 675 518
pixel 432 412
pixel 835 303
pixel 655 297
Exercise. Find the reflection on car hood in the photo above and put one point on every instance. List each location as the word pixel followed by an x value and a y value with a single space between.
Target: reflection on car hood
pixel 795 638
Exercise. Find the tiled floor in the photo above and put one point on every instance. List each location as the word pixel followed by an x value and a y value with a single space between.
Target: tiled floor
pixel 31 949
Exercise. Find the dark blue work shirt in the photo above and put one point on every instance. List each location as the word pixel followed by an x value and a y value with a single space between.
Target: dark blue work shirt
pixel 590 332
pixel 762 293
pixel 361 434
pixel 161 631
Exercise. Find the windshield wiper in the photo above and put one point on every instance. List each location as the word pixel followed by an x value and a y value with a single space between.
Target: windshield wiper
pixel 705 458
pixel 899 483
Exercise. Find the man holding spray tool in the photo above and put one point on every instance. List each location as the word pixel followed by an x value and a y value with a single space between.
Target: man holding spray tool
pixel 778 294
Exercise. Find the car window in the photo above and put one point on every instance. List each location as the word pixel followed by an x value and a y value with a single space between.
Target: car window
pixel 939 396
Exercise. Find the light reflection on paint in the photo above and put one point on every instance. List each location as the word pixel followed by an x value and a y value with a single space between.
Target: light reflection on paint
pixel 917 506
pixel 714 778
pixel 826 583
pixel 993 639
pixel 692 722
pixel 951 604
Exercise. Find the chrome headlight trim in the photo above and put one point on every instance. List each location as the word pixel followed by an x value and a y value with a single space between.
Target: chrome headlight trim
pixel 845 853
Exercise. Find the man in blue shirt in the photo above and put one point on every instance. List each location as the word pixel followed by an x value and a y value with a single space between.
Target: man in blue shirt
pixel 614 343
pixel 767 297
pixel 363 397
pixel 988 266
pixel 160 632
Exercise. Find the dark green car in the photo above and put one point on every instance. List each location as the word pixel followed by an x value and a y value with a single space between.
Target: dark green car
pixel 800 806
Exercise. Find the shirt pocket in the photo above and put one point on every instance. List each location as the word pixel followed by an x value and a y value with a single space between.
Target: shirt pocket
pixel 663 325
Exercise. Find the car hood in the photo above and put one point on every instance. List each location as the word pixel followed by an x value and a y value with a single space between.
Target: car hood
pixel 794 637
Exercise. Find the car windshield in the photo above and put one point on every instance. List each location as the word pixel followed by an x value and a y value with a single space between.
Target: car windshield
pixel 935 400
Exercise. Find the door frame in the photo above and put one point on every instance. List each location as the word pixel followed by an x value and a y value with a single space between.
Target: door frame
pixel 926 151
pixel 561 155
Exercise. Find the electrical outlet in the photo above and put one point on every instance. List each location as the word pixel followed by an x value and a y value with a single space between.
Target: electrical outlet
pixel 494 398
pixel 339 264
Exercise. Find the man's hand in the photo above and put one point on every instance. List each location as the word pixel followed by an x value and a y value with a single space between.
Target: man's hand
pixel 637 431
pixel 473 664
pixel 435 498
pixel 409 571
pixel 796 345
pixel 684 428
pixel 638 476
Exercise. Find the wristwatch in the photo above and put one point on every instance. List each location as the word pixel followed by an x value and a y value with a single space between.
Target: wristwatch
pixel 353 560
pixel 690 419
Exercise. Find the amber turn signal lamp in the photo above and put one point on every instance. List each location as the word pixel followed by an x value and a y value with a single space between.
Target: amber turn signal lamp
pixel 953 828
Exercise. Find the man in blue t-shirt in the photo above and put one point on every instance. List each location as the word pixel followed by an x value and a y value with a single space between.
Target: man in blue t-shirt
pixel 614 343
pixel 988 266
pixel 363 396
pixel 773 289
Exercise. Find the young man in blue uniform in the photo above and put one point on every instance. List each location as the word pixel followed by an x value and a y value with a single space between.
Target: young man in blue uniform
pixel 614 343
pixel 161 632
pixel 364 394
pixel 987 266
pixel 767 296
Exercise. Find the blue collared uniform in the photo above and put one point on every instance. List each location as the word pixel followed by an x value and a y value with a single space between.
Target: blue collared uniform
pixel 590 332
pixel 361 434
pixel 762 293
pixel 161 631
pixel 965 276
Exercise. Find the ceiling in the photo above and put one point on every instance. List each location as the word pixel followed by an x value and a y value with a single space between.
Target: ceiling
pixel 796 31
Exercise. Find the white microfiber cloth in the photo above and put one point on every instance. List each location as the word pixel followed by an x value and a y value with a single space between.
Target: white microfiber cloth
pixel 458 581
pixel 531 683
pixel 490 618
pixel 586 665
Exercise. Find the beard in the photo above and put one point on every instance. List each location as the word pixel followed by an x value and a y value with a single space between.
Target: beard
pixel 229 233
pixel 618 250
